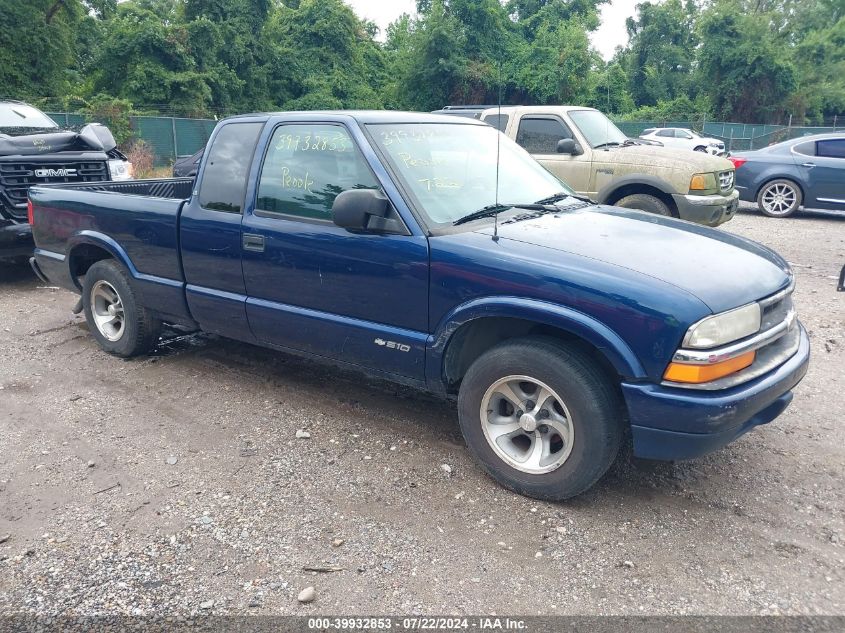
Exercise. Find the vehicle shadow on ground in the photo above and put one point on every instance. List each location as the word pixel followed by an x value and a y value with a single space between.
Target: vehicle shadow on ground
pixel 400 409
pixel 17 274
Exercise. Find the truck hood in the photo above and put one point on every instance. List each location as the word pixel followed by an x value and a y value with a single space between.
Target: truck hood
pixel 663 158
pixel 724 271
pixel 93 137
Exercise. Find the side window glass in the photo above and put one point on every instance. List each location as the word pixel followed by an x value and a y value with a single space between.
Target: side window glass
pixel 666 133
pixel 498 121
pixel 831 148
pixel 306 167
pixel 808 148
pixel 682 134
pixel 224 182
pixel 541 136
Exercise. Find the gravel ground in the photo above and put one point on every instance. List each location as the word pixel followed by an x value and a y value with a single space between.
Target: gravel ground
pixel 177 484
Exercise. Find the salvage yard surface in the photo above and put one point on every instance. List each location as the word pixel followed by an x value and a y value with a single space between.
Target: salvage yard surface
pixel 208 477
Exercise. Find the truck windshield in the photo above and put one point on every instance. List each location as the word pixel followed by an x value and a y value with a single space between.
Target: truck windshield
pixel 450 168
pixel 18 115
pixel 597 128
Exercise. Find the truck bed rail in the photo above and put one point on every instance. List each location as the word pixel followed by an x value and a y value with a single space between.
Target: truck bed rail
pixel 174 188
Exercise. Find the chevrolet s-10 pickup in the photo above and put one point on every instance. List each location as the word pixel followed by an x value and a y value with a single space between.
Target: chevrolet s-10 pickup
pixel 437 253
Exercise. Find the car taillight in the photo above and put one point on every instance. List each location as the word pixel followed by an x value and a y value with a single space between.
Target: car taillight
pixel 737 161
pixel 29 212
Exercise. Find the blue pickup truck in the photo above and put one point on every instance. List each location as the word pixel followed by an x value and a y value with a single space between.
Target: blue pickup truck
pixel 435 252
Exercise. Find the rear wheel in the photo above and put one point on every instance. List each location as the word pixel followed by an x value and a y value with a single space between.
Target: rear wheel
pixel 540 417
pixel 645 202
pixel 779 198
pixel 121 325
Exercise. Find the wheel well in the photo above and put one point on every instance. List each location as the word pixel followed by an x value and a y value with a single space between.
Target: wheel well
pixel 630 189
pixel 472 339
pixel 84 256
pixel 790 179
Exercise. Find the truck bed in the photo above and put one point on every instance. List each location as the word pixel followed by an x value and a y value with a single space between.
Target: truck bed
pixel 137 220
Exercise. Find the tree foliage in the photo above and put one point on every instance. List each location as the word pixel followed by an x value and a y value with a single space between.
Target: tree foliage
pixel 750 60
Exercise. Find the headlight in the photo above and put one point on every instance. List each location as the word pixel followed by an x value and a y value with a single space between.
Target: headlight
pixel 120 170
pixel 724 328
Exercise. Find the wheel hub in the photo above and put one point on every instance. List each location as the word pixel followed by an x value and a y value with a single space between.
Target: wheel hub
pixel 528 422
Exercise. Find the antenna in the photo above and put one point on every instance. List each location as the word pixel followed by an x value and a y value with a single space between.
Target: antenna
pixel 498 144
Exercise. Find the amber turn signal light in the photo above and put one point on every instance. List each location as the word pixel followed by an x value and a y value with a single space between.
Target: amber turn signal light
pixel 681 372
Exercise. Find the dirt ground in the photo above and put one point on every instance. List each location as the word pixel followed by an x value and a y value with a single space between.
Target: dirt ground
pixel 176 484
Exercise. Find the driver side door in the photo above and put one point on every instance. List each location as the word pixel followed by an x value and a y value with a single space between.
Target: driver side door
pixel 539 136
pixel 359 298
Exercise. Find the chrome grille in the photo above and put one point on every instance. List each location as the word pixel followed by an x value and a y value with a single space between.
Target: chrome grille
pixel 726 180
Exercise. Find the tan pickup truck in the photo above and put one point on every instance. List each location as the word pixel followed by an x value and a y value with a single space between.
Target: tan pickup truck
pixel 582 147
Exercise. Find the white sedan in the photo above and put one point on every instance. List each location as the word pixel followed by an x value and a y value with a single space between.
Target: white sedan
pixel 684 138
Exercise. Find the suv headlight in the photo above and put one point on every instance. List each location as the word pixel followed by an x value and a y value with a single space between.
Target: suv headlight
pixel 724 328
pixel 703 182
pixel 120 170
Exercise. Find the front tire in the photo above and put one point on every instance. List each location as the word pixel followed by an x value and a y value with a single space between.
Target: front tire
pixel 700 148
pixel 779 198
pixel 645 202
pixel 540 417
pixel 119 323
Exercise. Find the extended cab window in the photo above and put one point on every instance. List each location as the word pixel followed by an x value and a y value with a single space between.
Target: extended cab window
pixel 306 167
pixel 832 148
pixel 541 135
pixel 224 181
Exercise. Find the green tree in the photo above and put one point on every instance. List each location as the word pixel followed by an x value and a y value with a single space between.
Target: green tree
pixel 743 68
pixel 661 53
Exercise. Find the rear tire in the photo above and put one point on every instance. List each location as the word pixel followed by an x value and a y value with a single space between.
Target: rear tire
pixel 119 323
pixel 561 444
pixel 645 202
pixel 779 198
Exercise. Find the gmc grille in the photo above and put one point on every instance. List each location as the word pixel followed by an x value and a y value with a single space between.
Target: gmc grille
pixel 17 178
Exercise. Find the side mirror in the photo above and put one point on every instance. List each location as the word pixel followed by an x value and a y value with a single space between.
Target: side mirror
pixel 364 210
pixel 568 146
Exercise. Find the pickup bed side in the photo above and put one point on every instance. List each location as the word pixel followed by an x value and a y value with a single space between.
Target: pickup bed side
pixel 136 223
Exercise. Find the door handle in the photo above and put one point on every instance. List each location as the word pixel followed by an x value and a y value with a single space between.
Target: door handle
pixel 254 243
pixel 810 165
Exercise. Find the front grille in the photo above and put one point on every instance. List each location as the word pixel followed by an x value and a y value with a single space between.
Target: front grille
pixel 17 178
pixel 726 180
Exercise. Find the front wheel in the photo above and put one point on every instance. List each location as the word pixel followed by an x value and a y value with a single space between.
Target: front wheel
pixel 779 198
pixel 540 417
pixel 121 325
pixel 700 148
pixel 645 202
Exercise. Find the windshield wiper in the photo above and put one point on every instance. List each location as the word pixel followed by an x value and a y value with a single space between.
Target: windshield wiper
pixel 562 196
pixel 608 144
pixel 495 209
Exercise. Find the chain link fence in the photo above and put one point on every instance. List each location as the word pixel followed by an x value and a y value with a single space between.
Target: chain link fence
pixel 172 137
pixel 168 137
pixel 738 137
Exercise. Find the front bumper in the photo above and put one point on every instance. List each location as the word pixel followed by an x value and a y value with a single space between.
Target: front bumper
pixel 708 210
pixel 669 423
pixel 15 240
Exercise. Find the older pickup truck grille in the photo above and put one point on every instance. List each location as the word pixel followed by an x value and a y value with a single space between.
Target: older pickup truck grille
pixel 16 179
pixel 726 180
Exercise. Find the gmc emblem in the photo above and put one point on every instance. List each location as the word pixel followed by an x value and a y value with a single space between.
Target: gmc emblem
pixel 55 173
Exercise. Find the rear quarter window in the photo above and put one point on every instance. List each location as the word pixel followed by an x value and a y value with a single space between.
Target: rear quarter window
pixel 831 148
pixel 223 184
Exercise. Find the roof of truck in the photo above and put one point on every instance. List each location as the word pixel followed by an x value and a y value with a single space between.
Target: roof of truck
pixel 367 116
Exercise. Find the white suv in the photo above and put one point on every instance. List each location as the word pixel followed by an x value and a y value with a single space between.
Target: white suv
pixel 684 138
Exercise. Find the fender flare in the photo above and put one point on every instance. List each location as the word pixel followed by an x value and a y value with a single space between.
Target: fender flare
pixel 100 240
pixel 607 341
pixel 633 179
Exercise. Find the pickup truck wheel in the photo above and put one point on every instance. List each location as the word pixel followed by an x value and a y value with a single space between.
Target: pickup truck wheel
pixel 120 324
pixel 779 198
pixel 645 202
pixel 540 417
